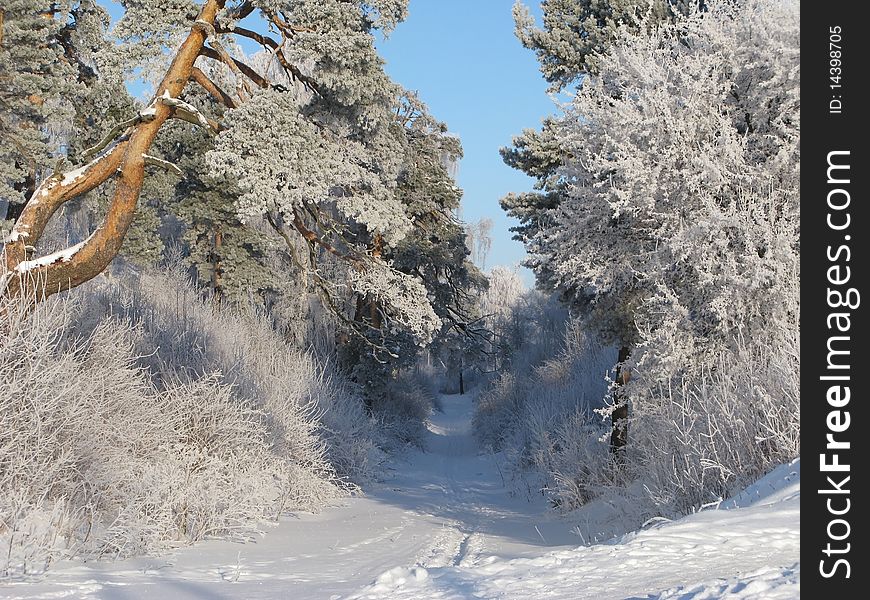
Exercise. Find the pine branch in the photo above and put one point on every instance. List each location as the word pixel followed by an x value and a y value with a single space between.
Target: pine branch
pixel 243 90
pixel 197 76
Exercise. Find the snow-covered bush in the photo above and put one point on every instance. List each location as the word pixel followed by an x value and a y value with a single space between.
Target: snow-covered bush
pixel 137 416
pixel 704 428
pixel 403 408
pixel 184 334
pixel 541 413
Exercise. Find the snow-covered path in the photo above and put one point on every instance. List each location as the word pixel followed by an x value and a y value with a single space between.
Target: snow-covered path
pixel 446 506
pixel 749 551
pixel 443 526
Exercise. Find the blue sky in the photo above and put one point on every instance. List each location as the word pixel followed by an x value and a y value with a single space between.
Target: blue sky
pixel 465 62
pixel 463 59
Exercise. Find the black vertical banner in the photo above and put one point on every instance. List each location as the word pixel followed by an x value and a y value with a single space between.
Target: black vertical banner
pixel 834 261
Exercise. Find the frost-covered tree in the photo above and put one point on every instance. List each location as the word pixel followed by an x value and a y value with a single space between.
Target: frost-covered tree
pixel 576 33
pixel 680 169
pixel 500 304
pixel 479 239
pixel 314 142
pixel 34 76
pixel 434 251
pixel 574 36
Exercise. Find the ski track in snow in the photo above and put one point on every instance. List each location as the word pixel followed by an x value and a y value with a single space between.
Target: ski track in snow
pixel 443 526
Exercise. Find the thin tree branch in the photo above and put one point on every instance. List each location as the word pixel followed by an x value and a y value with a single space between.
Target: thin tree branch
pixel 267 42
pixel 114 132
pixel 166 165
pixel 212 88
pixel 188 112
pixel 243 90
pixel 312 237
pixel 237 65
pixel 242 10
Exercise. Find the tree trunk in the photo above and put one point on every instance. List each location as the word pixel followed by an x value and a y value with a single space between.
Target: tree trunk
pixel 217 269
pixel 374 309
pixel 461 383
pixel 126 161
pixel 367 307
pixel 619 437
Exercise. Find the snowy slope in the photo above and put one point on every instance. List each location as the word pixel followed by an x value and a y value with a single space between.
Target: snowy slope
pixel 444 526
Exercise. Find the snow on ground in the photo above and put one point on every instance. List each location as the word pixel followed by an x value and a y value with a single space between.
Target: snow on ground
pixel 749 551
pixel 442 525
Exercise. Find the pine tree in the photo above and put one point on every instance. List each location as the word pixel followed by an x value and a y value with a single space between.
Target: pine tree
pixel 67 88
pixel 342 149
pixel 577 33
pixel 35 76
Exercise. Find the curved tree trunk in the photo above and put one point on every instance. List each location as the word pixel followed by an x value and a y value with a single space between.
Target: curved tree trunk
pixel 77 264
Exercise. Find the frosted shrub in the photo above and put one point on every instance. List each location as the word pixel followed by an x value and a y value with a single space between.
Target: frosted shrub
pixel 403 409
pixel 164 423
pixel 315 418
pixel 712 427
pixel 498 409
pixel 578 460
pixel 542 416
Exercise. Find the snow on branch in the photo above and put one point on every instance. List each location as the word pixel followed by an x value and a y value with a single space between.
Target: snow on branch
pixel 188 112
pixel 166 165
pixel 64 255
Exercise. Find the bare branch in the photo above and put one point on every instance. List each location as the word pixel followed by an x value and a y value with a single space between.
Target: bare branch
pixel 167 166
pixel 313 238
pixel 267 42
pixel 243 90
pixel 212 88
pixel 250 73
pixel 243 10
pixel 113 133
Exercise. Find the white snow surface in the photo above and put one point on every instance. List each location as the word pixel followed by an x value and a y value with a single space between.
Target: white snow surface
pixel 443 525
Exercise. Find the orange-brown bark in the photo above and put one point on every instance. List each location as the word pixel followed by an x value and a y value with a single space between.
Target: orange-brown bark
pixel 128 161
